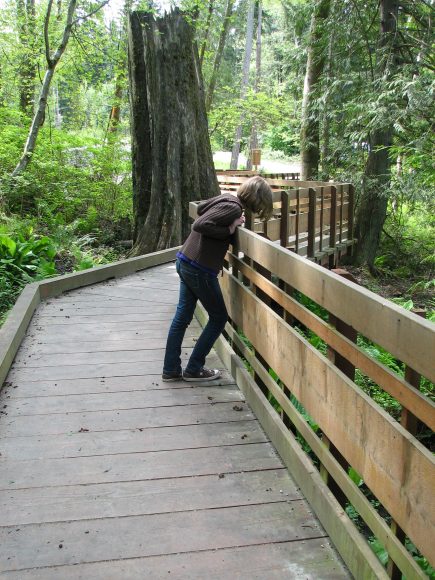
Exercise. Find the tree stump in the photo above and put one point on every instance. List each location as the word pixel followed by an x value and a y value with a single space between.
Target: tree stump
pixel 172 160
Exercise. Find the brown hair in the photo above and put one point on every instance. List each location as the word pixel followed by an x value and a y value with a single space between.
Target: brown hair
pixel 256 195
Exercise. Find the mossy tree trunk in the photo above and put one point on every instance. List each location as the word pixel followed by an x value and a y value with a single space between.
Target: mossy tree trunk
pixel 372 207
pixel 172 158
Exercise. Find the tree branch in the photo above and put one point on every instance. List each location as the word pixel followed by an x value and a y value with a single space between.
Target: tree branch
pixel 46 38
pixel 90 13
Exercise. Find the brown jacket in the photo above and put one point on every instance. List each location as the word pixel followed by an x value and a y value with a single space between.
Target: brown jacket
pixel 210 237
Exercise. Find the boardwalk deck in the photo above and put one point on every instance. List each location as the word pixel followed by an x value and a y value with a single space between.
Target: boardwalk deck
pixel 106 472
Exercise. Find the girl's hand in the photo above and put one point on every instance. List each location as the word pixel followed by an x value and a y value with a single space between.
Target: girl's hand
pixel 237 222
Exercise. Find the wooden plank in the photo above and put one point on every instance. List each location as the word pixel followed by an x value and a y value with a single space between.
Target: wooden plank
pixel 356 553
pixel 93 311
pixel 310 559
pixel 138 440
pixel 407 396
pixel 137 466
pixel 34 351
pixel 122 419
pixel 120 331
pixel 116 401
pixel 95 358
pixel 350 419
pixel 72 503
pixel 14 329
pixel 89 371
pixel 19 389
pixel 157 314
pixel 155 534
pixel 402 333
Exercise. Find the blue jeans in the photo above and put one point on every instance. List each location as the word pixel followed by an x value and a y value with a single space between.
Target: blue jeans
pixel 194 285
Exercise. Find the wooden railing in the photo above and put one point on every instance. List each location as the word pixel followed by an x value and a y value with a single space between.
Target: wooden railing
pixel 294 175
pixel 292 386
pixel 312 218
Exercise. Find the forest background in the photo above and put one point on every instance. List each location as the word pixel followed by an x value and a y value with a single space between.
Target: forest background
pixel 325 84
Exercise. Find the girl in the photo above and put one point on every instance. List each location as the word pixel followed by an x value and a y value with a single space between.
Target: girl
pixel 198 264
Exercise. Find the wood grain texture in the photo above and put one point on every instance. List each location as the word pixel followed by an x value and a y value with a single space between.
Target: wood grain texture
pixel 95 447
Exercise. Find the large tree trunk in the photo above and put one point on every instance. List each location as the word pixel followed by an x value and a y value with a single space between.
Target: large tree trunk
pixel 253 144
pixel 372 208
pixel 172 158
pixel 218 55
pixel 245 81
pixel 310 117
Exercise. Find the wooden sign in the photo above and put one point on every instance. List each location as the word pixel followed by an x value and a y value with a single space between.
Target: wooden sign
pixel 256 156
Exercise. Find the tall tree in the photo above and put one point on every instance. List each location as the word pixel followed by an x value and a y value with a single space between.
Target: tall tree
pixel 245 81
pixel 310 117
pixel 52 60
pixel 218 54
pixel 172 159
pixel 27 68
pixel 372 208
pixel 253 144
pixel 206 31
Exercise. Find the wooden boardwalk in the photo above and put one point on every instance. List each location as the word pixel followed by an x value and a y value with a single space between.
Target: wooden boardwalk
pixel 106 472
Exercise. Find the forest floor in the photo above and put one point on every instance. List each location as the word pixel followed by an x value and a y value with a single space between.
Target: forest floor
pixel 393 287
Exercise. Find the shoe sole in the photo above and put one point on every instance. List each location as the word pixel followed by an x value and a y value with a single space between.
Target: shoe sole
pixel 201 379
pixel 172 379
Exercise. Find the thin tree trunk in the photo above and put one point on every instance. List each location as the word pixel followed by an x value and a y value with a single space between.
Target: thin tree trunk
pixel 310 118
pixel 218 55
pixel 254 137
pixel 52 62
pixel 206 32
pixel 245 81
pixel 372 208
pixel 172 158
pixel 27 70
pixel 325 138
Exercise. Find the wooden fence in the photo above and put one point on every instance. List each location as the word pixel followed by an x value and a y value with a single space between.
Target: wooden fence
pixel 294 175
pixel 312 218
pixel 311 387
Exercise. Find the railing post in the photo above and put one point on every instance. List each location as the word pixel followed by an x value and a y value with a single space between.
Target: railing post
pixel 333 227
pixel 312 195
pixel 350 210
pixel 410 422
pixel 349 370
pixel 283 229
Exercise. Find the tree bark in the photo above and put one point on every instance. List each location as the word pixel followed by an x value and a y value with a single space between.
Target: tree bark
pixel 245 81
pixel 325 137
pixel 172 158
pixel 310 117
pixel 372 208
pixel 218 55
pixel 253 144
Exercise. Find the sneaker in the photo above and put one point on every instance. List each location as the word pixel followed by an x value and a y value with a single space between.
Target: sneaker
pixel 202 375
pixel 171 377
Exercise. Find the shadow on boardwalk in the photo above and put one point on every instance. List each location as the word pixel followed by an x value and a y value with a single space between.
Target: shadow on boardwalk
pixel 108 473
